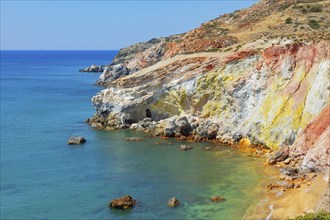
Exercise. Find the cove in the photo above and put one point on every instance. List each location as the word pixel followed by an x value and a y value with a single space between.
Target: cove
pixel 44 100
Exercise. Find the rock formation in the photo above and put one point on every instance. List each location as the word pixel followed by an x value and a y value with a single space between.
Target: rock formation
pixel 123 202
pixel 252 74
pixel 92 68
pixel 76 140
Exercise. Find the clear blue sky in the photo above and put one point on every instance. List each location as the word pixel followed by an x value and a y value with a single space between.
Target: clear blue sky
pixel 35 25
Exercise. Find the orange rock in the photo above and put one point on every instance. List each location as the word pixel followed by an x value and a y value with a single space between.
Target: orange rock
pixel 244 142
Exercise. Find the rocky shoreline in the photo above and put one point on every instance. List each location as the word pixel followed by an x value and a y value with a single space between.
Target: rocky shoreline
pixel 249 79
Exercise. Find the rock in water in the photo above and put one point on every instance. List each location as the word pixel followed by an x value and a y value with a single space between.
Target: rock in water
pixel 173 202
pixel 217 199
pixel 92 68
pixel 123 202
pixel 133 139
pixel 76 140
pixel 185 147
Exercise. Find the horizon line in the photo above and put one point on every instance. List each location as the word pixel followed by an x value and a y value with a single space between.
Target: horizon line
pixel 60 50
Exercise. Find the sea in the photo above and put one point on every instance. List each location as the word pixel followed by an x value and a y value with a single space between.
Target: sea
pixel 45 100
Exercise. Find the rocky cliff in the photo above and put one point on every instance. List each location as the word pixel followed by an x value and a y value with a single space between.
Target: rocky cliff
pixel 261 74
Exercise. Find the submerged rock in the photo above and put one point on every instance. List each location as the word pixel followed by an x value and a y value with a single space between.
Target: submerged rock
pixel 173 202
pixel 133 139
pixel 123 202
pixel 76 140
pixel 217 199
pixel 185 147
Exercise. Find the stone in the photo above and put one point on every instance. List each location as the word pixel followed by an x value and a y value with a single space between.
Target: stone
pixel 290 186
pixel 208 129
pixel 92 68
pixel 173 202
pixel 271 160
pixel 290 171
pixel 185 147
pixel 133 139
pixel 281 154
pixel 97 126
pixel 207 148
pixel 244 142
pixel 170 128
pixel 76 140
pixel 217 199
pixel 183 126
pixel 123 202
pixel 287 160
pixel 212 131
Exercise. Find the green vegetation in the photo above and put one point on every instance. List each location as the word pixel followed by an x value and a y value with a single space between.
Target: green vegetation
pixel 213 50
pixel 228 49
pixel 314 216
pixel 288 20
pixel 309 8
pixel 285 6
pixel 316 8
pixel 314 24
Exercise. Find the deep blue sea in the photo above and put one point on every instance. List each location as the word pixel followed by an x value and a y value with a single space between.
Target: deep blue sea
pixel 45 100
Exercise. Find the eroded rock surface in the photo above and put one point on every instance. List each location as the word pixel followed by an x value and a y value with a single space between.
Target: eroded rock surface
pixel 255 81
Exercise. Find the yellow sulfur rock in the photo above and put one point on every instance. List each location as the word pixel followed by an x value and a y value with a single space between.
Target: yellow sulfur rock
pixel 244 142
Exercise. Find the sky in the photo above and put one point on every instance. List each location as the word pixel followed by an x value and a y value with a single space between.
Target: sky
pixel 102 25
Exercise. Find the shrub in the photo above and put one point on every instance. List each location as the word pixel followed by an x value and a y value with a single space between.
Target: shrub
pixel 213 50
pixel 314 216
pixel 316 8
pixel 314 24
pixel 288 20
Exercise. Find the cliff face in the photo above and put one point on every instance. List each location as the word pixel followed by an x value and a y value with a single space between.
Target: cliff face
pixel 261 73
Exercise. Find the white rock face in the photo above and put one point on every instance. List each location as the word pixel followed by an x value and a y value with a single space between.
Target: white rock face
pixel 270 96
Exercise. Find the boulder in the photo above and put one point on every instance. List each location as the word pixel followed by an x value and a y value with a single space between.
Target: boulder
pixel 281 154
pixel 92 68
pixel 123 202
pixel 217 199
pixel 76 140
pixel 208 129
pixel 244 142
pixel 173 202
pixel 97 126
pixel 170 128
pixel 290 171
pixel 212 131
pixel 183 126
pixel 185 147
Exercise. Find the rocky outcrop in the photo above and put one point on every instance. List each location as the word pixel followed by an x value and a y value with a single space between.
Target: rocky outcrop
pixel 255 82
pixel 313 143
pixel 92 68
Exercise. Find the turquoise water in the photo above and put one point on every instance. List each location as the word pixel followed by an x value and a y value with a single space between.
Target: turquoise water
pixel 44 100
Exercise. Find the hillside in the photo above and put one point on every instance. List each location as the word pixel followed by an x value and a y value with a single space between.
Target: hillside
pixel 260 74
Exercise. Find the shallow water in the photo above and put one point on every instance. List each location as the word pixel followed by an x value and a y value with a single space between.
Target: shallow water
pixel 44 100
